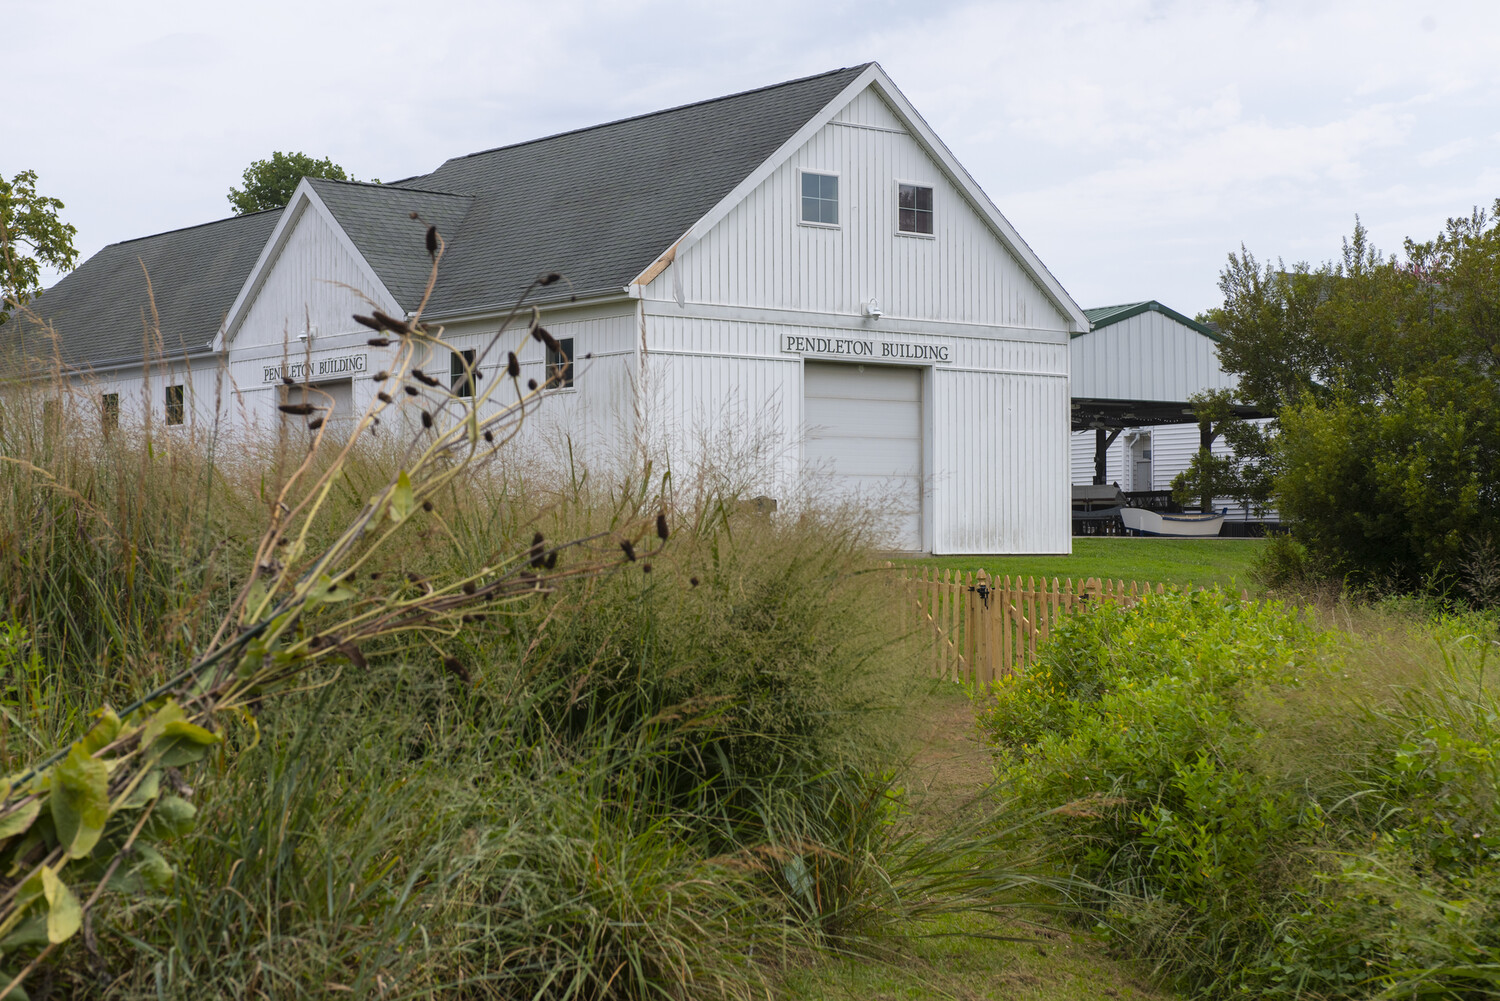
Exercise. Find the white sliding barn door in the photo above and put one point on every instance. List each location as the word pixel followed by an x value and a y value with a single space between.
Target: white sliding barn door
pixel 863 443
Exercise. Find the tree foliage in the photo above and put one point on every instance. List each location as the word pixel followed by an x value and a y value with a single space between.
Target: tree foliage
pixel 1243 474
pixel 269 183
pixel 31 234
pixel 1383 374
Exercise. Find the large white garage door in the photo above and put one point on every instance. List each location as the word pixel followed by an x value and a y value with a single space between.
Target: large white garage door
pixel 864 442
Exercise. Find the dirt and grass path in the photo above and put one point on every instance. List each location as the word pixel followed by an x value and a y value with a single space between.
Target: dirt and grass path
pixel 959 958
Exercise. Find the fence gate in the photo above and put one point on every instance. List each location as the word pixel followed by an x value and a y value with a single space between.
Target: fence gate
pixel 981 628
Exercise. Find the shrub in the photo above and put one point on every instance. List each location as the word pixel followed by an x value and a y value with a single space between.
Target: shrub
pixel 1267 806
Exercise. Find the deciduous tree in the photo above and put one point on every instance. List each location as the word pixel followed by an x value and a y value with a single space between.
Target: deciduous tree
pixel 1385 376
pixel 269 183
pixel 31 234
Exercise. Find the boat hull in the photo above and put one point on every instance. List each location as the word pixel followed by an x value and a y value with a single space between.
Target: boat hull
pixel 1177 526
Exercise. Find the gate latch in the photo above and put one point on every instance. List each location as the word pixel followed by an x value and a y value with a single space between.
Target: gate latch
pixel 984 591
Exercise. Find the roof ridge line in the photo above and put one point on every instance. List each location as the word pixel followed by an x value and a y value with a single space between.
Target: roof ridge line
pixel 196 225
pixel 383 186
pixel 649 114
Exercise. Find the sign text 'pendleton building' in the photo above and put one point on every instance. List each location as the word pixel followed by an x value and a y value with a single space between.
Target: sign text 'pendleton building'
pixel 865 348
pixel 321 368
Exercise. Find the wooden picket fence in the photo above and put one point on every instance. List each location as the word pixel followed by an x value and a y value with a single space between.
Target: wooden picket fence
pixel 982 628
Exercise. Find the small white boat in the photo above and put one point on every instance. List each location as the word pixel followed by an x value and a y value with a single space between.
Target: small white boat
pixel 1188 526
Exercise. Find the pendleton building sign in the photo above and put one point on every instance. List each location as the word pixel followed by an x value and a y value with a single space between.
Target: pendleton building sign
pixel 866 348
pixel 318 368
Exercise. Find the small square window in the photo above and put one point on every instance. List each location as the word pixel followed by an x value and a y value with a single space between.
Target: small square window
pixel 914 209
pixel 109 412
pixel 176 411
pixel 460 368
pixel 820 198
pixel 560 364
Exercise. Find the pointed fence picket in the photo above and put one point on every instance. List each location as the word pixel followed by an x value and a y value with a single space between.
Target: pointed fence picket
pixel 980 628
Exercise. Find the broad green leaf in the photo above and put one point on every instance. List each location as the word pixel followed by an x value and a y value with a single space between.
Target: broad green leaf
pixel 103 732
pixel 182 743
pixel 17 993
pixel 64 914
pixel 171 712
pixel 255 598
pixel 189 731
pixel 30 932
pixel 326 589
pixel 255 654
pixel 20 928
pixel 402 498
pixel 153 868
pixel 172 818
pixel 80 801
pixel 42 832
pixel 19 820
pixel 144 792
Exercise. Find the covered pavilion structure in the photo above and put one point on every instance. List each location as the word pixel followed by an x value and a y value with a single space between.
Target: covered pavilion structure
pixel 1139 365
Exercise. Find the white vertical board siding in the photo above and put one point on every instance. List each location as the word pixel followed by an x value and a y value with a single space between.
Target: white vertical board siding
pixel 1149 356
pixel 592 424
pixel 594 417
pixel 761 255
pixel 1083 459
pixel 1172 449
pixel 306 284
pixel 1000 470
pixel 719 401
pixel 207 394
pixel 996 451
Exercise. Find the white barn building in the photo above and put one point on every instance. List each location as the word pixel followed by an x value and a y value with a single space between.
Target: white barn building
pixel 801 272
pixel 1135 372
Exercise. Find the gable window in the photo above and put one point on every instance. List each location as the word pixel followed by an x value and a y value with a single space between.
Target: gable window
pixel 914 209
pixel 462 376
pixel 560 364
pixel 820 198
pixel 176 411
pixel 109 412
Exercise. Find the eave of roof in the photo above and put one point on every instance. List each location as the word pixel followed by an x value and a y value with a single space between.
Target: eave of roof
pixel 1104 316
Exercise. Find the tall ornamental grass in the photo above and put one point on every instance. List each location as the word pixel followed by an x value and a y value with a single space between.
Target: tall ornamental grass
pixel 664 780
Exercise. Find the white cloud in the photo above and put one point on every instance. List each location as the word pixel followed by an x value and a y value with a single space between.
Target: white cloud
pixel 1133 142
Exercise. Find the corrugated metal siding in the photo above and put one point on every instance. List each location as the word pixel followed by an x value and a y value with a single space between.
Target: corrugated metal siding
pixel 306 284
pixel 761 255
pixel 1147 357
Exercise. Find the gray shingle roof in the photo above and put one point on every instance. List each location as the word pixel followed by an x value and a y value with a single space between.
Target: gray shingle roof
pixel 600 204
pixel 99 309
pixel 597 205
pixel 377 218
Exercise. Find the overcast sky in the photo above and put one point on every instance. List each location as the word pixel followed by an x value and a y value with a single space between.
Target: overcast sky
pixel 1132 144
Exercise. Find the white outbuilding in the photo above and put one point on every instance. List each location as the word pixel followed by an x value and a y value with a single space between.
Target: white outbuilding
pixel 801 280
pixel 1134 374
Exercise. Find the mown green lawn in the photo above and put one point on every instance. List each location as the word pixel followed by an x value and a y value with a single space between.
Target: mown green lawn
pixel 1200 562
